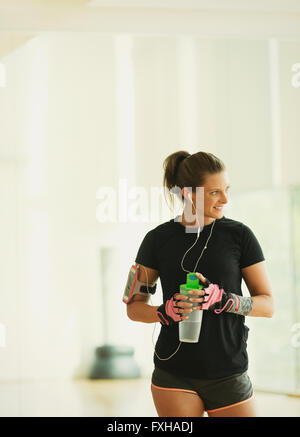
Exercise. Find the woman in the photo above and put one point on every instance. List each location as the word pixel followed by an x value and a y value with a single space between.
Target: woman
pixel 211 375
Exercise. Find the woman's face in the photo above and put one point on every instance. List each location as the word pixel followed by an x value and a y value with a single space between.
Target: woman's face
pixel 215 197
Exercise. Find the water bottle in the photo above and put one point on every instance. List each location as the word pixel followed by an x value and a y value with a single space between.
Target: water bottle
pixel 189 329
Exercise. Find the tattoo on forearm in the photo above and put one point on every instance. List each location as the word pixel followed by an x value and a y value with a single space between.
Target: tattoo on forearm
pixel 244 307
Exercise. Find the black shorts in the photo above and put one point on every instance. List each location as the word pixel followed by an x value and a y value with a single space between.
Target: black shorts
pixel 216 394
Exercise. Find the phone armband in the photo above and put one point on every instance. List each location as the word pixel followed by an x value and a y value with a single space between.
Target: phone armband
pixel 134 286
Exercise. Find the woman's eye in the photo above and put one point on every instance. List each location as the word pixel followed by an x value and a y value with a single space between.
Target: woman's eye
pixel 217 191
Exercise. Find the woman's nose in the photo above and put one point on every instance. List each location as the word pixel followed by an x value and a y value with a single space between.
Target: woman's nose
pixel 224 198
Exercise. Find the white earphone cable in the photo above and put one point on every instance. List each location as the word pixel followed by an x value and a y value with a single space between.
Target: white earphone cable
pixel 204 248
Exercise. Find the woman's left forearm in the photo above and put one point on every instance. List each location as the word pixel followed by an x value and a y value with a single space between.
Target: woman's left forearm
pixel 263 306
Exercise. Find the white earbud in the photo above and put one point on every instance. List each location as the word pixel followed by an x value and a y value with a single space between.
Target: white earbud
pixel 190 197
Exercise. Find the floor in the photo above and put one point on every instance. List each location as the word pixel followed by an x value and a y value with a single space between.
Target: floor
pixel 106 398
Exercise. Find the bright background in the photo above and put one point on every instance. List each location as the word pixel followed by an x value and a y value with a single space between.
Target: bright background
pixel 93 93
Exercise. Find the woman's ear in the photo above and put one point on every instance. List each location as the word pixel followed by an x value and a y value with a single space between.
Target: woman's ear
pixel 187 193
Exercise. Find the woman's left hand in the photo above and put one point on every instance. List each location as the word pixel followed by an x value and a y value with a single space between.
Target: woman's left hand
pixel 215 298
pixel 202 279
pixel 199 292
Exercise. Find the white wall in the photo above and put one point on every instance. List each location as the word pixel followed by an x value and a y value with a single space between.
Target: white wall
pixel 57 147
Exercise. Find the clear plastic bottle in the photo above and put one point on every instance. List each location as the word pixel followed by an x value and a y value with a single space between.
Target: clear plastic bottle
pixel 189 329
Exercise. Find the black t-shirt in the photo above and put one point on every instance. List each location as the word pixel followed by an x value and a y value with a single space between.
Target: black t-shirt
pixel 222 346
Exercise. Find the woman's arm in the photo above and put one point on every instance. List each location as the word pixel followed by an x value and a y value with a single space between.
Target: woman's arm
pixel 138 309
pixel 257 280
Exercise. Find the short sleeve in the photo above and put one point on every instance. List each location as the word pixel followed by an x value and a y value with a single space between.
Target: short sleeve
pixel 251 251
pixel 147 252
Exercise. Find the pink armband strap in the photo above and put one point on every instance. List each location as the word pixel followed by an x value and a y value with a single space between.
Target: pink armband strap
pixel 135 286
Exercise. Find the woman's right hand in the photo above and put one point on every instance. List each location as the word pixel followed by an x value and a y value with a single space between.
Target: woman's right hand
pixel 170 312
pixel 184 303
pixel 199 298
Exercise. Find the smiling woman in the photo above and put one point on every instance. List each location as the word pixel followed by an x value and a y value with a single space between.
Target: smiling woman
pixel 214 199
pixel 216 379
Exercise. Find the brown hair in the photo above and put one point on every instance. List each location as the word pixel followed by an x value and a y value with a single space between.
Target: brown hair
pixel 184 170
